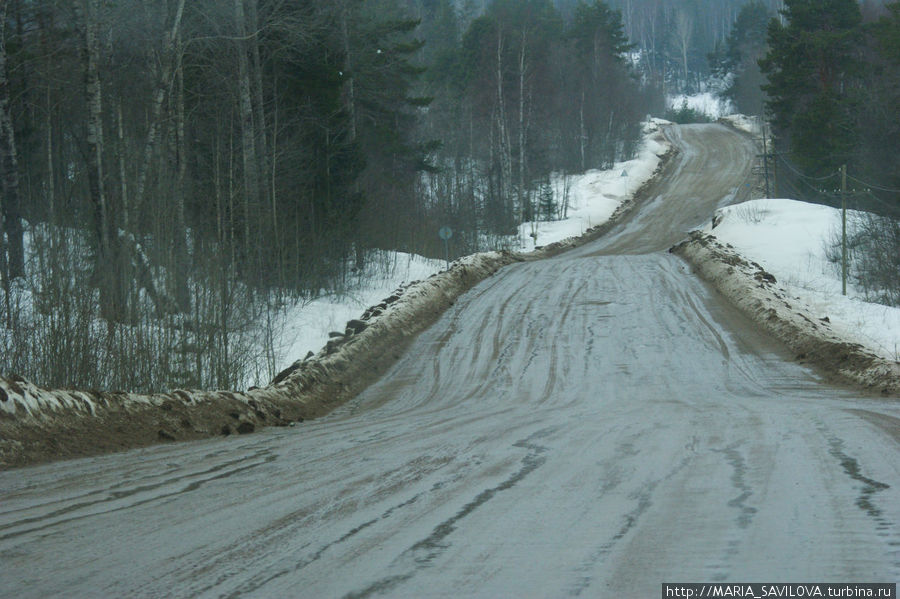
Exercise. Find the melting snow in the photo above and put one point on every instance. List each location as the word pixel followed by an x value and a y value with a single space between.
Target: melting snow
pixel 789 239
pixel 593 197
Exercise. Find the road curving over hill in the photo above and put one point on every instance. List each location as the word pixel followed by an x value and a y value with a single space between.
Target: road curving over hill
pixel 592 424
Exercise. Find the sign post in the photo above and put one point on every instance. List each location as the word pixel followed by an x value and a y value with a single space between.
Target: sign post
pixel 446 233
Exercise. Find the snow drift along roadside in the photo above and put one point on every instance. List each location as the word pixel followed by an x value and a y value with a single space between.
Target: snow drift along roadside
pixel 38 425
pixel 756 293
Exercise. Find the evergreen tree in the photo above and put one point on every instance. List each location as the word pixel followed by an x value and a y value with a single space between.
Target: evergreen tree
pixel 813 67
pixel 386 110
pixel 745 45
pixel 879 119
pixel 546 201
pixel 598 47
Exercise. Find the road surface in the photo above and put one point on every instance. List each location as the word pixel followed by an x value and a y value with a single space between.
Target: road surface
pixel 594 424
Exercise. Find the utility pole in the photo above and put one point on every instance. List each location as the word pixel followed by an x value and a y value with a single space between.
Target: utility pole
pixel 765 157
pixel 774 166
pixel 844 229
pixel 766 160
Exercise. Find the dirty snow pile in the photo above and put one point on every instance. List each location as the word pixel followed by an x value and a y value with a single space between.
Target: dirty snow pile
pixel 594 196
pixel 789 239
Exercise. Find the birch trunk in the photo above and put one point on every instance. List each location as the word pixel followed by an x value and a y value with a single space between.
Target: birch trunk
pixel 13 253
pixel 159 96
pixel 248 132
pixel 7 160
pixel 525 211
pixel 182 290
pixel 259 112
pixel 111 307
pixel 348 71
pixel 582 134
pixel 502 129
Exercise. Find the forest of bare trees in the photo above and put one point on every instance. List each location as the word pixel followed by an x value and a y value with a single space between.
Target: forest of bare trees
pixel 176 172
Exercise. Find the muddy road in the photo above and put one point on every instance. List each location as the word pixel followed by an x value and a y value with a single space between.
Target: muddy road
pixel 591 424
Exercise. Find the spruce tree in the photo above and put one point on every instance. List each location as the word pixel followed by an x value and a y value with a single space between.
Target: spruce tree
pixel 813 71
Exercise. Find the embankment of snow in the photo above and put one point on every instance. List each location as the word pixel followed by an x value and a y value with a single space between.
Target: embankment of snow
pixel 594 196
pixel 809 334
pixel 742 122
pixel 38 424
pixel 707 103
pixel 789 239
pixel 307 325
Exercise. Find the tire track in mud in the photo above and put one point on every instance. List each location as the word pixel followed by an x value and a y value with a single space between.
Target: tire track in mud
pixel 745 513
pixel 422 554
pixel 643 498
pixel 223 471
pixel 286 529
pixel 868 489
pixel 257 584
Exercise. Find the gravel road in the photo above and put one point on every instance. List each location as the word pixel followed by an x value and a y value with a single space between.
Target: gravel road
pixel 592 424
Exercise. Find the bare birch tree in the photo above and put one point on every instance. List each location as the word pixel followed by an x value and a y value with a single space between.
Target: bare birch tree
pixel 13 254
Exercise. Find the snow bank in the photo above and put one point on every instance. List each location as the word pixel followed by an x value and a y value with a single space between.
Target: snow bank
pixel 789 238
pixel 37 424
pixel 307 325
pixel 595 196
pixel 768 258
pixel 742 122
pixel 706 103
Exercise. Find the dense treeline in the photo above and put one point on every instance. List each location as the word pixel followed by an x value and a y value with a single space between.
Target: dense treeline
pixel 524 95
pixel 173 170
pixel 674 38
pixel 833 84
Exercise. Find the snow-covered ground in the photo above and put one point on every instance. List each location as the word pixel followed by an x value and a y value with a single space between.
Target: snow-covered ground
pixel 789 239
pixel 307 325
pixel 595 195
pixel 593 198
pixel 707 103
pixel 742 122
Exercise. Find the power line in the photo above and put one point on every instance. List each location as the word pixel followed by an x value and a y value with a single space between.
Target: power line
pixel 873 186
pixel 799 173
pixel 891 208
pixel 800 194
pixel 817 190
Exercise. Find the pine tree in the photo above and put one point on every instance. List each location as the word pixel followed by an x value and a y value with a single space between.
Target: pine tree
pixel 744 46
pixel 813 70
pixel 546 201
pixel 598 46
pixel 386 110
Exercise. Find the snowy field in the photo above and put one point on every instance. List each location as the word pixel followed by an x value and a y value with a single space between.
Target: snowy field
pixel 593 197
pixel 789 239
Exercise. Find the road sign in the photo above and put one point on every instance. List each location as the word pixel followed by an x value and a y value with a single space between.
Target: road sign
pixel 446 233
